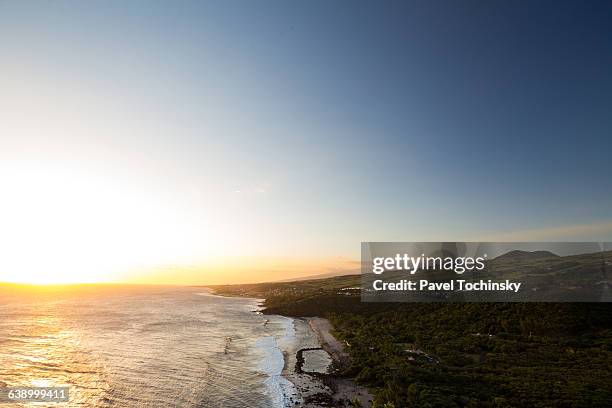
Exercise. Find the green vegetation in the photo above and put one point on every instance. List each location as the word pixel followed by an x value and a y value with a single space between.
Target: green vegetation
pixel 460 354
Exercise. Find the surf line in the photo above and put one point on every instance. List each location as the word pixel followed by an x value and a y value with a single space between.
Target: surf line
pixel 455 284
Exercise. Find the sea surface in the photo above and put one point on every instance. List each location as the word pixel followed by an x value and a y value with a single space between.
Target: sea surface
pixel 144 347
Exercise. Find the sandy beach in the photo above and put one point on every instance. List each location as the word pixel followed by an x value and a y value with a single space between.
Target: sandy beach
pixel 335 348
pixel 317 379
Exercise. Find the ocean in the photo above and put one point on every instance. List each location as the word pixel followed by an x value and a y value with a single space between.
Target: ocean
pixel 127 346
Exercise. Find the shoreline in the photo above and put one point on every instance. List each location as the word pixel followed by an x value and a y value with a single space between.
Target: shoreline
pixel 326 387
pixel 322 327
pixel 345 389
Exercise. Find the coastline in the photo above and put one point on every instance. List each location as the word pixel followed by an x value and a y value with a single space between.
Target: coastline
pixel 270 346
pixel 345 389
pixel 324 386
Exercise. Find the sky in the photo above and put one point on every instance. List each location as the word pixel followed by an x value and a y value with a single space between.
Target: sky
pixel 212 142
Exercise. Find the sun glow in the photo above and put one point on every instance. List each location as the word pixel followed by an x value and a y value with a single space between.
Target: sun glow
pixel 62 225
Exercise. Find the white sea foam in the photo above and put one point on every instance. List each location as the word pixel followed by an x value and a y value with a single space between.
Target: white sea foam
pixel 282 391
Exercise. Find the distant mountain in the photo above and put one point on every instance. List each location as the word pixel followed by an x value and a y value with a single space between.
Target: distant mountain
pixel 320 276
pixel 522 256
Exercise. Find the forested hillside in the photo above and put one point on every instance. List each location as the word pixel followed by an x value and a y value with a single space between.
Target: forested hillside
pixel 460 354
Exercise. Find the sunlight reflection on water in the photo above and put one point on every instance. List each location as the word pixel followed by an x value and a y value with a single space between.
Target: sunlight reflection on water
pixel 137 347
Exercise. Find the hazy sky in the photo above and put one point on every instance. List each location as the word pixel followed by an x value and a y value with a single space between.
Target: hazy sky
pixel 140 134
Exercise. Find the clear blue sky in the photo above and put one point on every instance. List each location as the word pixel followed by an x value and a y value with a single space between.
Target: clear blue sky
pixel 335 122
